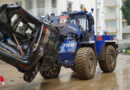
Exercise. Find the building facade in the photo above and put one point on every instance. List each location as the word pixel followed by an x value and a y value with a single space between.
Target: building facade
pixel 109 17
pixel 43 7
pixel 107 14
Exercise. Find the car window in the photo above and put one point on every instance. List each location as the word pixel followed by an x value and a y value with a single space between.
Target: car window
pixel 32 25
pixel 82 22
pixel 3 17
pixel 13 19
pixel 24 29
pixel 80 18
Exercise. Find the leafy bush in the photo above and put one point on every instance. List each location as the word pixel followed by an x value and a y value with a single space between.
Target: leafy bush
pixel 126 11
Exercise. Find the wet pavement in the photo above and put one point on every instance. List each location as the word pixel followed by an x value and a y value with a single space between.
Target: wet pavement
pixel 68 80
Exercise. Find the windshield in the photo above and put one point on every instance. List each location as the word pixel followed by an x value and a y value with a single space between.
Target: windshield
pixel 67 29
pixel 79 20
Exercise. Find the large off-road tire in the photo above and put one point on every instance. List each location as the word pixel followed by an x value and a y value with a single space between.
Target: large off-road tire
pixel 53 72
pixel 85 63
pixel 109 64
pixel 73 69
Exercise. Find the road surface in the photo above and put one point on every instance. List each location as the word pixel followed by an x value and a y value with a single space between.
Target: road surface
pixel 68 80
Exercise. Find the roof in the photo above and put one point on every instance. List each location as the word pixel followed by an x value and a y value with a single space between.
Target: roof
pixel 77 13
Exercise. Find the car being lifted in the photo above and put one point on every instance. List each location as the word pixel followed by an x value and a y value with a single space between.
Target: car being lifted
pixel 28 43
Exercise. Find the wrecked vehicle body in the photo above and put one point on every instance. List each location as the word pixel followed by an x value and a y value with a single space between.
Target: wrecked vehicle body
pixel 26 43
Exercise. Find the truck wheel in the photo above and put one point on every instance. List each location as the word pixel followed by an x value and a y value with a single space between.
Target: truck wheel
pixel 53 72
pixel 73 69
pixel 85 63
pixel 109 64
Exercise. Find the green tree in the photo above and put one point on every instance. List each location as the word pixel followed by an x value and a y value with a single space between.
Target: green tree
pixel 126 11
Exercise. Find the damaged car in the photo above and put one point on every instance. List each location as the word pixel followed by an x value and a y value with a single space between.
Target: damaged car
pixel 28 43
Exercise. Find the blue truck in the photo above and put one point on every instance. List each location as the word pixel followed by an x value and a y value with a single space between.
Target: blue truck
pixel 80 48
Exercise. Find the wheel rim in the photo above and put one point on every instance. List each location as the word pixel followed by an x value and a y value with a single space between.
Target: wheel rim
pixel 112 58
pixel 52 71
pixel 91 64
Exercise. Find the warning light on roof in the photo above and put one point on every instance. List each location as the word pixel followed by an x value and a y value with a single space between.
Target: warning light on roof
pixel 84 8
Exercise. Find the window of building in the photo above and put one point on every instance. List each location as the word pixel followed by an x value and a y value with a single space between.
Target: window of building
pixel 54 3
pixel 29 4
pixel 69 6
pixel 124 24
pixel 40 3
pixel 126 35
pixel 111 23
pixel 19 3
pixel 81 7
pixel 110 10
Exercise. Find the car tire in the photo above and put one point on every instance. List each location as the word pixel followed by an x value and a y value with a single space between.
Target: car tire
pixel 53 72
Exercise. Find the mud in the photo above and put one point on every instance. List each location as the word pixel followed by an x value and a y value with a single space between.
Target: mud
pixel 68 80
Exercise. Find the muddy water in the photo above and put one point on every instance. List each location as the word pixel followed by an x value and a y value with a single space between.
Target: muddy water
pixel 68 80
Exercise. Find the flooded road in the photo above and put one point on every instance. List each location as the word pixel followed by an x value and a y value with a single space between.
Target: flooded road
pixel 68 80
